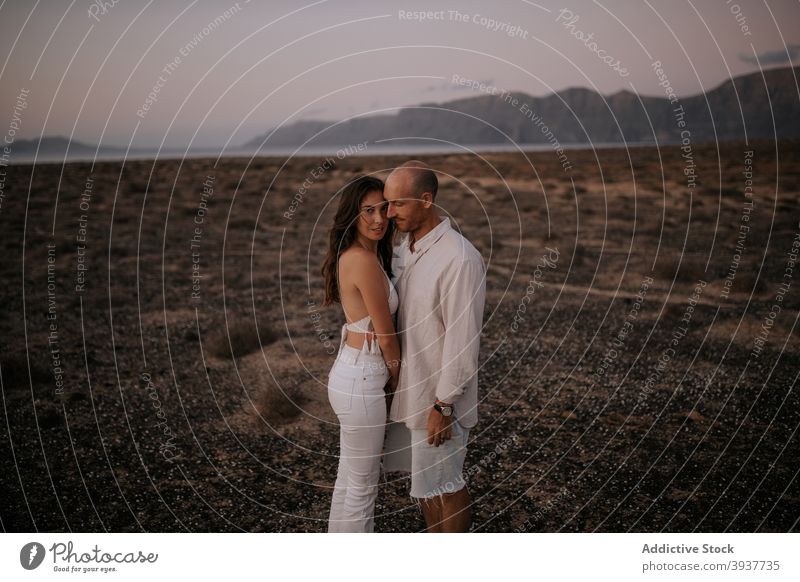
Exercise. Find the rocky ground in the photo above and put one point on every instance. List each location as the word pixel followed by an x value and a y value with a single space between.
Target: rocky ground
pixel 164 349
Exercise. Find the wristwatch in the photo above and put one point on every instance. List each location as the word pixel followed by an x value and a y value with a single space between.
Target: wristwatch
pixel 443 409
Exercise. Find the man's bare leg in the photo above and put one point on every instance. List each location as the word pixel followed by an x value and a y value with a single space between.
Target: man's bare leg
pixel 448 513
pixel 432 512
pixel 456 511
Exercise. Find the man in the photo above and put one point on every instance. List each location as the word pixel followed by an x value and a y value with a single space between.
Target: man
pixel 441 282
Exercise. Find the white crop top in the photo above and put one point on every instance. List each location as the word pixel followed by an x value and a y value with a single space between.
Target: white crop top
pixel 363 325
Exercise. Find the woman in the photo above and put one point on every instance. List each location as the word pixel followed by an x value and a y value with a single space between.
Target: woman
pixel 364 375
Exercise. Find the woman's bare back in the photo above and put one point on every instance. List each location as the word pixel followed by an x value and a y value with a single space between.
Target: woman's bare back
pixel 354 263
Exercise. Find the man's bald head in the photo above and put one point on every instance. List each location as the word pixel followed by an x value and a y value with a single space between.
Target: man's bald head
pixel 417 178
pixel 410 191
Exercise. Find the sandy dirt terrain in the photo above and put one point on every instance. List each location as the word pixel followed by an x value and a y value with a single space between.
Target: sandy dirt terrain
pixel 165 352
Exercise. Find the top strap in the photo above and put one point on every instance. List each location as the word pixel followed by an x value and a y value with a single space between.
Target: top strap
pixel 358 327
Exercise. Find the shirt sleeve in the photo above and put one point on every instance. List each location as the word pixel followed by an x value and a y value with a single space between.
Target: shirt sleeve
pixel 462 301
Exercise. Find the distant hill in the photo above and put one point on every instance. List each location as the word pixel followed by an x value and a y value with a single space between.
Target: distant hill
pixel 575 115
pixel 57 147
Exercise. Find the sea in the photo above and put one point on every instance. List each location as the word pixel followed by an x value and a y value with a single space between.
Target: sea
pixel 317 152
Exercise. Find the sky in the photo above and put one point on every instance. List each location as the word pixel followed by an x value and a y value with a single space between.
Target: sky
pixel 204 74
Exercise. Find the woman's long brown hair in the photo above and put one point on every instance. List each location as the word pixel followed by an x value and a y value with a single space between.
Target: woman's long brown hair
pixel 343 233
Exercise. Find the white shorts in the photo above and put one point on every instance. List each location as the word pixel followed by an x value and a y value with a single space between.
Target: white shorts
pixel 438 470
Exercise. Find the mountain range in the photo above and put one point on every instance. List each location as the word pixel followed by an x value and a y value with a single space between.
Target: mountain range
pixel 764 104
pixel 575 116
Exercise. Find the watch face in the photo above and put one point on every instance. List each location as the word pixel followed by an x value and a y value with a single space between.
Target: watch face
pixel 443 410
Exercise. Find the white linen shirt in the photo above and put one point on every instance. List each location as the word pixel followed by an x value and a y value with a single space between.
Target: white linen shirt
pixel 442 291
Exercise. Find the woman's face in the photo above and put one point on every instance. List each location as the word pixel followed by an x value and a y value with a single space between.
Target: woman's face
pixel 372 221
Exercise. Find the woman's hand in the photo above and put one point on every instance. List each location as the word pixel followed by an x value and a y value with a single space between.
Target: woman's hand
pixel 389 389
pixel 391 385
pixel 389 397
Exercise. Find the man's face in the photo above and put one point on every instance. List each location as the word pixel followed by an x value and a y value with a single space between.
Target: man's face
pixel 405 209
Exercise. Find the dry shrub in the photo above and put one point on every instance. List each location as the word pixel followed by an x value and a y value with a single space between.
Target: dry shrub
pixel 243 337
pixel 690 267
pixel 742 331
pixel 278 404
pixel 14 369
pixel 749 281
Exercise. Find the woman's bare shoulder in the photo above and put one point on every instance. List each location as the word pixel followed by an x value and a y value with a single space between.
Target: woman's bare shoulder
pixel 357 266
pixel 357 258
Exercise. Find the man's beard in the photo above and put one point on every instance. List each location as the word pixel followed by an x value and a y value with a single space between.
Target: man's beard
pixel 404 227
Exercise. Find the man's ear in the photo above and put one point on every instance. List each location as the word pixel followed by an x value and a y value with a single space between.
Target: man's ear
pixel 427 199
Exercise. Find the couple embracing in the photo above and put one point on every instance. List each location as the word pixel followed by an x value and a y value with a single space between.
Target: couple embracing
pixel 413 301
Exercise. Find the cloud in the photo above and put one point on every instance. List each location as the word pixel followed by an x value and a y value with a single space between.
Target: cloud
pixel 777 57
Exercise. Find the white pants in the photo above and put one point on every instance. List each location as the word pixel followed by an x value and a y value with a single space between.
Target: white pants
pixel 355 391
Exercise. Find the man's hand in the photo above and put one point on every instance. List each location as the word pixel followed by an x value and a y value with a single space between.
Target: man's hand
pixel 439 428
